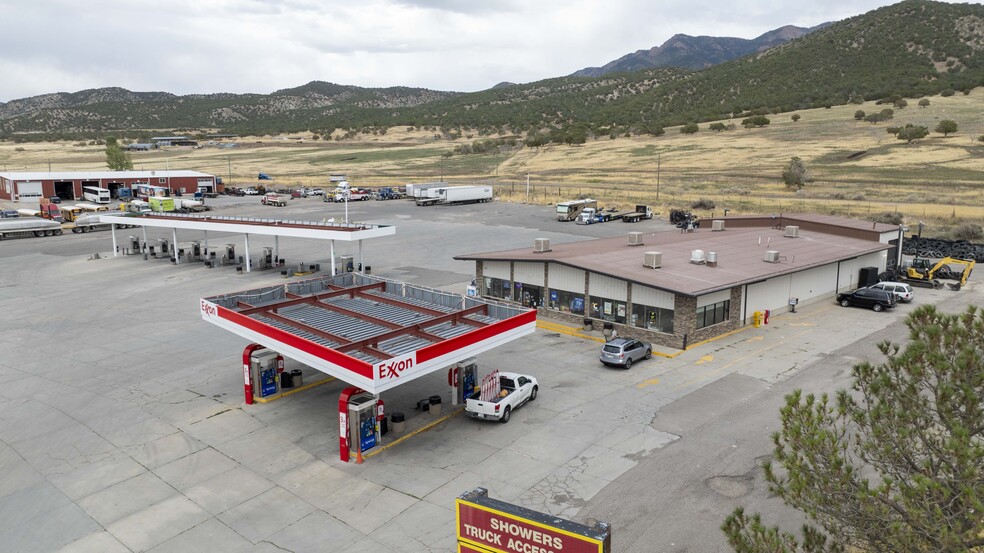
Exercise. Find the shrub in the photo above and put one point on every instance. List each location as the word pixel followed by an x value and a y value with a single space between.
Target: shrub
pixel 889 217
pixel 859 114
pixel 967 231
pixel 795 117
pixel 703 203
pixel 924 102
pixel 947 92
pixel 19 149
pixel 859 197
pixel 689 128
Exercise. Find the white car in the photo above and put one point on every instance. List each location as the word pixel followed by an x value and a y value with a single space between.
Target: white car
pixel 316 191
pixel 903 292
pixel 251 191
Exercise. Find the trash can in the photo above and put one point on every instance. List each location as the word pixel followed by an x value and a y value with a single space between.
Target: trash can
pixel 424 405
pixel 608 330
pixel 399 422
pixel 368 270
pixel 588 325
pixel 286 380
pixel 297 376
pixel 435 406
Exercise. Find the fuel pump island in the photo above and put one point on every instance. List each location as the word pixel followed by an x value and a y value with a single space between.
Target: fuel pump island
pixel 371 333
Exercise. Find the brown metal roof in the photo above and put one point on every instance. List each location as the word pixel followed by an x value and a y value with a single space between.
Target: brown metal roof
pixel 740 253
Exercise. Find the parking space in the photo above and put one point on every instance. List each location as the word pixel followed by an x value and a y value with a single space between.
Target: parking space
pixel 123 427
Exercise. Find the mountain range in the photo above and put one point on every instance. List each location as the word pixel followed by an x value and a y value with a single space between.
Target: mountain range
pixel 910 49
pixel 697 52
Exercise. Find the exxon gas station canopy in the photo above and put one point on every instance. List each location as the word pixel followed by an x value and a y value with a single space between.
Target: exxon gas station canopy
pixel 370 332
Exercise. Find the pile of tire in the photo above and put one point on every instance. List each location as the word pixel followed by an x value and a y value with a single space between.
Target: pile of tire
pixel 936 248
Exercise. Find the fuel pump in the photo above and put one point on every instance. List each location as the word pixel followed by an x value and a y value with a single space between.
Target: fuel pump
pixel 467 378
pixel 264 368
pixel 359 414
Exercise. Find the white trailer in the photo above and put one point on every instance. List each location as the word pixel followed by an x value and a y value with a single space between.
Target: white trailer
pixel 450 195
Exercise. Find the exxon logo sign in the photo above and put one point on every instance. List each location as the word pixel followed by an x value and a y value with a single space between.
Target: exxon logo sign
pixel 395 367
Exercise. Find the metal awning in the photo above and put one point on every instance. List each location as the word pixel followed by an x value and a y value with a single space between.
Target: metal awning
pixel 348 232
pixel 370 332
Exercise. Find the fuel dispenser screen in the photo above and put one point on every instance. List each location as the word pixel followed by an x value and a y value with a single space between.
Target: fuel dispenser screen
pixel 367 433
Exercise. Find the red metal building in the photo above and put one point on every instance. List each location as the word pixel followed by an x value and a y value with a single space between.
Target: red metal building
pixel 29 187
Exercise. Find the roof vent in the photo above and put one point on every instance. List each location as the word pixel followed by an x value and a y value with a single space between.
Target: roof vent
pixel 717 225
pixel 635 239
pixel 541 245
pixel 712 259
pixel 792 231
pixel 697 256
pixel 771 256
pixel 653 260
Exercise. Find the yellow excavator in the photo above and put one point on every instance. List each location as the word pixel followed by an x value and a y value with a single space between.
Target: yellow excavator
pixel 923 272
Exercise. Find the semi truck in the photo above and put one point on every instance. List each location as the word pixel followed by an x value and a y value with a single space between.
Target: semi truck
pixel 569 211
pixel 28 226
pixel 591 215
pixel 451 195
pixel 88 222
pixel 641 212
pixel 274 200
pixel 388 193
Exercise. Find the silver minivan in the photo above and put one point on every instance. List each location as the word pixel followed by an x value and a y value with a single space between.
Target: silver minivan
pixel 903 292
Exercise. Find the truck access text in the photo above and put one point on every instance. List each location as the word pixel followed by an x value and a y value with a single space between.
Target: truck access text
pixel 500 393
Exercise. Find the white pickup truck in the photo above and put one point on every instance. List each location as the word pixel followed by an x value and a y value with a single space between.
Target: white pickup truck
pixel 499 396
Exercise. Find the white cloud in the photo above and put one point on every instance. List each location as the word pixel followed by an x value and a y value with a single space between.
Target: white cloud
pixel 188 46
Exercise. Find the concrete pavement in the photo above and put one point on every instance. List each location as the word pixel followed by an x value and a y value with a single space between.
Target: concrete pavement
pixel 122 425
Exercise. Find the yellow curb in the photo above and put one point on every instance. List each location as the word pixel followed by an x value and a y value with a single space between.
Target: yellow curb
pixel 294 390
pixel 414 433
pixel 570 331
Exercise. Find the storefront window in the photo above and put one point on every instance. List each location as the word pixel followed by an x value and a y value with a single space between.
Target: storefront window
pixel 652 318
pixel 498 288
pixel 529 295
pixel 607 310
pixel 713 314
pixel 567 301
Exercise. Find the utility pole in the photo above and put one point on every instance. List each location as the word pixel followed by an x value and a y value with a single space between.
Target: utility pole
pixel 229 160
pixel 657 177
pixel 527 187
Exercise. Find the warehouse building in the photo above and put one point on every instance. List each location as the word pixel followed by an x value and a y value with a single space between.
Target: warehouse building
pixel 30 187
pixel 676 288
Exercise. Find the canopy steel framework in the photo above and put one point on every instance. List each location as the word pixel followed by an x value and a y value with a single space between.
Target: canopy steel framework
pixel 367 331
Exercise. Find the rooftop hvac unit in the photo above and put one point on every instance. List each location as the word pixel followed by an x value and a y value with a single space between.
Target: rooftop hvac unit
pixel 792 232
pixel 771 256
pixel 541 245
pixel 697 256
pixel 653 260
pixel 635 239
pixel 712 259
pixel 717 225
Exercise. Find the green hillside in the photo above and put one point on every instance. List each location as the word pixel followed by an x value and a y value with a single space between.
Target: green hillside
pixel 910 49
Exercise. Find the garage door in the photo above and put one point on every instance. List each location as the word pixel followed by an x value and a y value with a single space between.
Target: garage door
pixel 29 191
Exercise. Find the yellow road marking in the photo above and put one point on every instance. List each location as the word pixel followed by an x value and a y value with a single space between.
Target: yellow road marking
pixel 414 433
pixel 569 330
pixel 704 359
pixel 294 391
pixel 802 324
pixel 650 382
pixel 755 339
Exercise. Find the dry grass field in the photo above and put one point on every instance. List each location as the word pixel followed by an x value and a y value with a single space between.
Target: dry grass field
pixel 938 180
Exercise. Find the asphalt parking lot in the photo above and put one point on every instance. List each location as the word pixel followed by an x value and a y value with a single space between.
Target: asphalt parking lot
pixel 123 428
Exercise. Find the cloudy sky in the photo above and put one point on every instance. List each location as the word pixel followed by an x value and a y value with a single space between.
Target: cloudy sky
pixel 206 46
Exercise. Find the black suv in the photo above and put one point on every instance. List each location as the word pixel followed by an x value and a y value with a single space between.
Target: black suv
pixel 867 297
